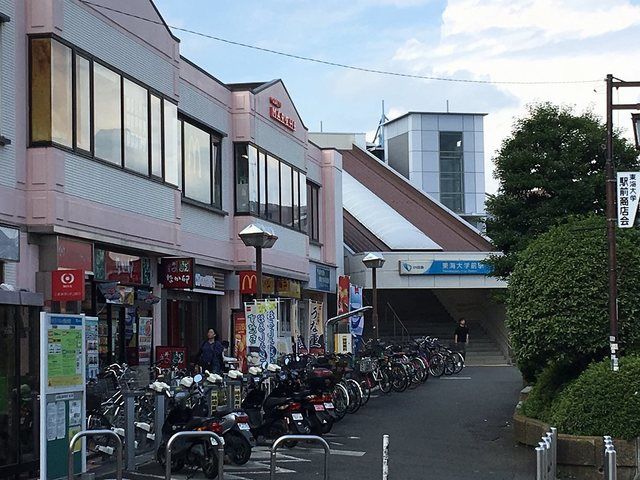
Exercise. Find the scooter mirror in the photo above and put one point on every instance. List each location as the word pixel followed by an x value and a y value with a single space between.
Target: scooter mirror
pixel 264 365
pixel 287 361
pixel 197 378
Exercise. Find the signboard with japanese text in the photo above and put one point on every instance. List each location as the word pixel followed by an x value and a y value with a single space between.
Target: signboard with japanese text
pixel 262 329
pixel 288 288
pixel 166 357
pixel 177 273
pixel 316 327
pixel 343 294
pixel 240 340
pixel 356 322
pixel 444 267
pixel 627 189
pixel 145 337
pixel 249 281
pixel 67 285
pixel 121 267
pixel 208 278
pixel 91 340
pixel 323 278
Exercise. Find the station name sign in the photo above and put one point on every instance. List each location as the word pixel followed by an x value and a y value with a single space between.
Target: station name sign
pixel 444 267
pixel 274 112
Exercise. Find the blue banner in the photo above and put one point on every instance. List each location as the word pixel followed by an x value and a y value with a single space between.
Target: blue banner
pixel 445 267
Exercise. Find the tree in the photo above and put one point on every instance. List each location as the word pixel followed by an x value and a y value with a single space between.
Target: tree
pixel 557 295
pixel 549 168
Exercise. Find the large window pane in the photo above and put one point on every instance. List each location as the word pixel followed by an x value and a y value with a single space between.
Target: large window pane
pixel 107 111
pixel 136 127
pixel 253 179
pixel 172 164
pixel 83 103
pixel 451 141
pixel 273 189
pixel 197 163
pixel 304 217
pixel 217 173
pixel 61 94
pixel 262 173
pixel 315 213
pixel 286 195
pixel 451 170
pixel 296 199
pixel 40 90
pixel 156 137
pixel 242 178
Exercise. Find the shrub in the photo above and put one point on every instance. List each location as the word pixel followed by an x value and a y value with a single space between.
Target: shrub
pixel 557 295
pixel 601 402
pixel 549 384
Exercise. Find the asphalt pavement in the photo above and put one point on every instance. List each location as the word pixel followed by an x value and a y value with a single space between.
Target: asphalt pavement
pixel 452 428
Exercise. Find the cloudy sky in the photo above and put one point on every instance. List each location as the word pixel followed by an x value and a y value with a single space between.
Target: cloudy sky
pixel 496 40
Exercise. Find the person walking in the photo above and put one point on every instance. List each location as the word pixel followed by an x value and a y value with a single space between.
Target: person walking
pixel 210 354
pixel 461 337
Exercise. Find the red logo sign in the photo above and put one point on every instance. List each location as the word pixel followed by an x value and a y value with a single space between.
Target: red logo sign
pixel 67 285
pixel 177 273
pixel 278 116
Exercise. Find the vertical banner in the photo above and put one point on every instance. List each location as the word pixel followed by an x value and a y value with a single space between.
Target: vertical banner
pixel 356 322
pixel 145 336
pixel 240 340
pixel 316 327
pixel 262 329
pixel 627 198
pixel 91 340
pixel 343 294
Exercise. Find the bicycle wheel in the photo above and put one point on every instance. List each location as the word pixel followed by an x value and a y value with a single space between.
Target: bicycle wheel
pixel 449 364
pixel 399 379
pixel 419 370
pixel 459 361
pixel 340 401
pixel 355 395
pixel 365 386
pixel 425 368
pixel 384 380
pixel 436 365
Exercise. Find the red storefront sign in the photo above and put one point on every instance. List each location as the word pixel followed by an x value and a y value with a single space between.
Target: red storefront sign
pixel 75 254
pixel 343 294
pixel 249 283
pixel 167 357
pixel 67 285
pixel 123 268
pixel 278 116
pixel 177 273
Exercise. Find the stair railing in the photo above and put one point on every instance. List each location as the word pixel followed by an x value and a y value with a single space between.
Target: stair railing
pixel 396 322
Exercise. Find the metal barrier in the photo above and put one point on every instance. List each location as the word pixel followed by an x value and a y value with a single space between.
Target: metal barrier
pixel 91 433
pixel 306 438
pixel 610 461
pixel 219 441
pixel 546 456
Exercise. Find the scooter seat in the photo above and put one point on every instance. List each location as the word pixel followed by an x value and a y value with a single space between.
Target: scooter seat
pixel 273 402
pixel 222 411
pixel 195 422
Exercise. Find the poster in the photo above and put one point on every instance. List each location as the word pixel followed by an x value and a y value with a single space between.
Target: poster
pixel 91 341
pixel 343 294
pixel 262 329
pixel 64 352
pixel 52 421
pixel 61 419
pixel 356 322
pixel 145 336
pixel 316 327
pixel 166 357
pixel 240 340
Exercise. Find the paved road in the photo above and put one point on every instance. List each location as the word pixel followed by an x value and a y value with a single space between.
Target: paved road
pixel 455 428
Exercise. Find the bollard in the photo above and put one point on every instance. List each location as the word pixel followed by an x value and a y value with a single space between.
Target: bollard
pixel 554 453
pixel 539 463
pixel 385 457
pixel 158 421
pixel 129 431
pixel 610 465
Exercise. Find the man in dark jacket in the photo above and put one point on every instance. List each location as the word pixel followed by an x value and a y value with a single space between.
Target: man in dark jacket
pixel 210 354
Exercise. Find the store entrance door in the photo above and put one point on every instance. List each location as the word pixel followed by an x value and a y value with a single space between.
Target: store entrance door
pixel 18 390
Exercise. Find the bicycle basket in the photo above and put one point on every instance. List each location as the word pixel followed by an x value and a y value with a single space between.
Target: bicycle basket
pixel 366 365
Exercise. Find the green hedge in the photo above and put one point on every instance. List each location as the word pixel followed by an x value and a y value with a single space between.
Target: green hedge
pixel 547 387
pixel 601 402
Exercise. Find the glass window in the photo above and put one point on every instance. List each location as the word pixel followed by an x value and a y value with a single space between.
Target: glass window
pixel 313 211
pixel 253 179
pixel 286 195
pixel 273 189
pixel 296 199
pixel 197 163
pixel 107 111
pixel 61 94
pixel 242 178
pixel 262 173
pixel 451 171
pixel 136 127
pixel 83 103
pixel 217 173
pixel 156 137
pixel 172 164
pixel 40 90
pixel 303 203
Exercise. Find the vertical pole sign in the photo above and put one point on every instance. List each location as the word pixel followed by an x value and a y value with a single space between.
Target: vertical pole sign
pixel 62 392
pixel 627 198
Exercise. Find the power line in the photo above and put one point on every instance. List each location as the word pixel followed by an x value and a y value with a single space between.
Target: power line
pixel 343 65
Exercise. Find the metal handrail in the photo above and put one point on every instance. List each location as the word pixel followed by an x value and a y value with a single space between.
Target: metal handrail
pixel 219 441
pixel 307 438
pixel 91 433
pixel 396 318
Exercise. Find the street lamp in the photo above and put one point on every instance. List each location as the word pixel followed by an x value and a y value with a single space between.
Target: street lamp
pixel 611 205
pixel 259 237
pixel 374 261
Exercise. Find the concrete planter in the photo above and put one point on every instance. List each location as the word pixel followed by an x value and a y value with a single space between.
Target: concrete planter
pixel 579 456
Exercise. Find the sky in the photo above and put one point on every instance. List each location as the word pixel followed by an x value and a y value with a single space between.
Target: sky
pixel 495 40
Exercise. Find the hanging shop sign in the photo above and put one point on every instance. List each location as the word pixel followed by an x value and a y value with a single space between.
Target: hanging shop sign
pixel 627 198
pixel 343 294
pixel 249 281
pixel 67 285
pixel 167 357
pixel 177 273
pixel 316 327
pixel 120 267
pixel 444 267
pixel 9 244
pixel 323 278
pixel 356 322
pixel 288 288
pixel 274 112
pixel 240 340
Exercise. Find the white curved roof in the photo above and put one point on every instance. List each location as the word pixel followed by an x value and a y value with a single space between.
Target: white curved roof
pixel 381 219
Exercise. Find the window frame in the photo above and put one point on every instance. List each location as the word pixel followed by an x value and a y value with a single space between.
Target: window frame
pixel 313 211
pixel 451 174
pixel 4 18
pixel 77 51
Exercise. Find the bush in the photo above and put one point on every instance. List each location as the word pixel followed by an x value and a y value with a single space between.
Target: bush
pixel 549 384
pixel 557 295
pixel 601 402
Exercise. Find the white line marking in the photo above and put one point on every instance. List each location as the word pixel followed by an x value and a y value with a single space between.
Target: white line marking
pixel 456 378
pixel 337 443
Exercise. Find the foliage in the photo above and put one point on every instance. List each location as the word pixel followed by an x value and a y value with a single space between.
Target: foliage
pixel 558 296
pixel 601 402
pixel 550 167
pixel 549 384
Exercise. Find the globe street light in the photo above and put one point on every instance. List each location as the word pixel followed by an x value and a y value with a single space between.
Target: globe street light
pixel 259 237
pixel 374 261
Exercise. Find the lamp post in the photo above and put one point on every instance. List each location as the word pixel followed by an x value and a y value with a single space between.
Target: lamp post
pixel 374 261
pixel 259 237
pixel 611 205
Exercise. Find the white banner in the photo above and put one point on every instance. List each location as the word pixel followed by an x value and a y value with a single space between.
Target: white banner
pixel 627 198
pixel 316 327
pixel 262 329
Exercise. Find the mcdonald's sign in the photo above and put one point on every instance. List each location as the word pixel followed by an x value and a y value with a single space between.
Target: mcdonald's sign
pixel 249 280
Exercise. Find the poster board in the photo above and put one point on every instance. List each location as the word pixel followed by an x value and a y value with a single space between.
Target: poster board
pixel 145 338
pixel 62 392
